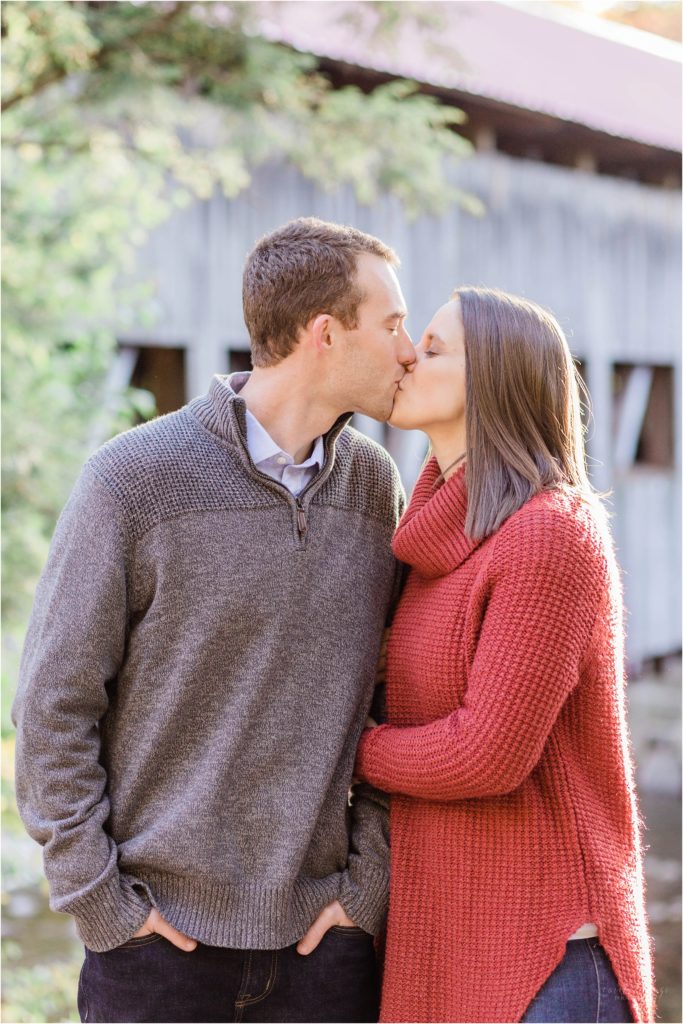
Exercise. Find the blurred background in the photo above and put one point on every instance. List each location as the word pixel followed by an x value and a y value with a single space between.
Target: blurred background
pixel 535 147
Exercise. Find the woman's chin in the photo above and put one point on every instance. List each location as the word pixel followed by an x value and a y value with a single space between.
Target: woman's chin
pixel 400 418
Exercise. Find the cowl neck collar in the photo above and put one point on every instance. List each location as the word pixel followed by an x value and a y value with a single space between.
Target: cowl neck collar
pixel 431 535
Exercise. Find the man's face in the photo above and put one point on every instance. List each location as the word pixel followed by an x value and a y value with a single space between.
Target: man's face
pixel 376 354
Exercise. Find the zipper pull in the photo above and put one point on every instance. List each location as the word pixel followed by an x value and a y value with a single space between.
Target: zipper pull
pixel 301 520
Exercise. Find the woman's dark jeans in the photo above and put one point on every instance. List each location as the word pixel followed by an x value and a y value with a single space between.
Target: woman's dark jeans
pixel 583 988
pixel 150 979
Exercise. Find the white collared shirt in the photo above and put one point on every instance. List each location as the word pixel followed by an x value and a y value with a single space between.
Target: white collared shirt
pixel 267 456
pixel 270 459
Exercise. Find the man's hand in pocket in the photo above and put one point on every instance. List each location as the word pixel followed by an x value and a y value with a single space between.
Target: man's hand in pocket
pixel 334 914
pixel 155 923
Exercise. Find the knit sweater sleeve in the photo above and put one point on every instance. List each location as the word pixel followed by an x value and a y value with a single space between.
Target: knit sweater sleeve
pixel 74 646
pixel 547 578
pixel 364 893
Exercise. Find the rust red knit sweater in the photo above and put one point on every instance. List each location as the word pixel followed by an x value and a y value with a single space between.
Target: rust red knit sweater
pixel 514 818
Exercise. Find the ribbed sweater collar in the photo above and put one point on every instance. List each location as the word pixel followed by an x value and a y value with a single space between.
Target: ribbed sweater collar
pixel 222 411
pixel 431 535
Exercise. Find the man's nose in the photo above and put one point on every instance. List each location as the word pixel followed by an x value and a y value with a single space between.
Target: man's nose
pixel 407 355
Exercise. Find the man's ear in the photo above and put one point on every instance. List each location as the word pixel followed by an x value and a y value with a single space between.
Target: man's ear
pixel 320 331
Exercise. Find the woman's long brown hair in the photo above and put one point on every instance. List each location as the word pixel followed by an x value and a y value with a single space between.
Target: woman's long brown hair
pixel 523 407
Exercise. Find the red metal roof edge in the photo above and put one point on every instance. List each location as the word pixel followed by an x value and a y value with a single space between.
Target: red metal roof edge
pixel 647 125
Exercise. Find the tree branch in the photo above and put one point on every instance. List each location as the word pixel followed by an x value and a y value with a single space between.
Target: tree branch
pixel 58 74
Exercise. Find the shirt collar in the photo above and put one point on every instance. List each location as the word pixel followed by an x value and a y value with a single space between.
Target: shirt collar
pixel 262 447
pixel 260 444
pixel 222 412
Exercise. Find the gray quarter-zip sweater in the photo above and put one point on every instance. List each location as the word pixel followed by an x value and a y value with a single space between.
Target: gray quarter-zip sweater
pixel 198 668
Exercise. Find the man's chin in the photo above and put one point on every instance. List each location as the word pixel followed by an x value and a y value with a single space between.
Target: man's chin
pixel 380 411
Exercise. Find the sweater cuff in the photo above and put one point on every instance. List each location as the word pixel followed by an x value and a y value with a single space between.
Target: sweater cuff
pixel 366 899
pixel 110 914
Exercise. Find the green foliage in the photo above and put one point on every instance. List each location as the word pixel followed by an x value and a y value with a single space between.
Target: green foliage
pixel 45 992
pixel 371 166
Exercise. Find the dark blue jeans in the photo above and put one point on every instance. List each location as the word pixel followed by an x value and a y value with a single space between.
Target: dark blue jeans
pixel 150 979
pixel 583 988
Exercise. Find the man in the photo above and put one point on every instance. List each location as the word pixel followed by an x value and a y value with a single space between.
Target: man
pixel 200 662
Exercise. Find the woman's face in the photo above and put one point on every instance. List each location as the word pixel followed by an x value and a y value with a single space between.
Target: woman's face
pixel 432 395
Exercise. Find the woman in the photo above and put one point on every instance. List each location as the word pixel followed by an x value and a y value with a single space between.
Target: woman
pixel 517 887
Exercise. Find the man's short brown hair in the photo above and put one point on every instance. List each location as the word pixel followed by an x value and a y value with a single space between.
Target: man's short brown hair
pixel 302 269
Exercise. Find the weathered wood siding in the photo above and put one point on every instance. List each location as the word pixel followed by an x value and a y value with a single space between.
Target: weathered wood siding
pixel 603 254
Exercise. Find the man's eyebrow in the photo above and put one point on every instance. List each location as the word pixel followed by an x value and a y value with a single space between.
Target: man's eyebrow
pixel 400 314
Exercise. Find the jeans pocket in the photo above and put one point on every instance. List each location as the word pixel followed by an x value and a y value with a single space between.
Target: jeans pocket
pixel 349 929
pixel 141 940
